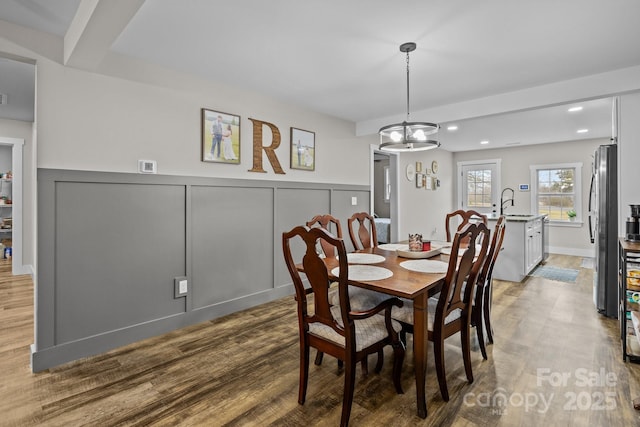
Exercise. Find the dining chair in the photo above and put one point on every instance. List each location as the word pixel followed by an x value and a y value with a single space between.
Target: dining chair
pixel 465 217
pixel 450 311
pixel 329 223
pixel 338 330
pixel 481 311
pixel 366 235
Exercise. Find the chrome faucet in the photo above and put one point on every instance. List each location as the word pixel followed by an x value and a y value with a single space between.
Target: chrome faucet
pixel 503 201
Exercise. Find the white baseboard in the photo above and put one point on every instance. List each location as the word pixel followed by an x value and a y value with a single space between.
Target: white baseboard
pixel 589 253
pixel 25 269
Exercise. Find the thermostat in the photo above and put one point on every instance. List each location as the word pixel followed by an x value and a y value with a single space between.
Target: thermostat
pixel 147 166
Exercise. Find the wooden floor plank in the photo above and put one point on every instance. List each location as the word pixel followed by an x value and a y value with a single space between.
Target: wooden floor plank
pixel 242 370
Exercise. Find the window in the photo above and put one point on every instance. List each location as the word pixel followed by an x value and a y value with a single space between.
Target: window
pixel 479 188
pixel 557 191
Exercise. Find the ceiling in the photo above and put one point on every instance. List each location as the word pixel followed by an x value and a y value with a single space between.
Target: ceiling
pixel 342 58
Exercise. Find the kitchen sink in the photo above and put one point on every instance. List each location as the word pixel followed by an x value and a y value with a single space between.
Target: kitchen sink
pixel 515 216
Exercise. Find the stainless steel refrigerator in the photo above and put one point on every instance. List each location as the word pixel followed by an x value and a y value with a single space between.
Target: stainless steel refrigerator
pixel 603 229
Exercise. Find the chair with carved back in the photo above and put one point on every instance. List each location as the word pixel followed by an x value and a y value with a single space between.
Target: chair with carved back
pixel 337 330
pixel 481 313
pixel 449 312
pixel 365 236
pixel 332 225
pixel 329 223
pixel 463 218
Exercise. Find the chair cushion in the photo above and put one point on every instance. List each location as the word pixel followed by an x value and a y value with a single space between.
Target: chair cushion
pixel 360 299
pixel 405 313
pixel 368 331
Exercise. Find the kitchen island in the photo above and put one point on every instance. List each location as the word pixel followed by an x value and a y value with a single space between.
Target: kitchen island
pixel 522 248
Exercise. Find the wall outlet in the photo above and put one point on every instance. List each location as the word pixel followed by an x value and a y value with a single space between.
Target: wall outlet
pixel 181 287
pixel 354 201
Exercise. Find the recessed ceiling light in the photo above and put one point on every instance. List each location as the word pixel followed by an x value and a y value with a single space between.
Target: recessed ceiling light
pixel 452 127
pixel 574 109
pixel 582 130
pixel 485 142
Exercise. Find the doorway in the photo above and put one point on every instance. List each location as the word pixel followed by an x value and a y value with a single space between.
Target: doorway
pixel 479 185
pixel 19 74
pixel 16 146
pixel 383 180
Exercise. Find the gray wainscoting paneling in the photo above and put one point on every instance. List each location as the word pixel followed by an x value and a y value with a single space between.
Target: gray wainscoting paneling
pixel 233 231
pixel 118 248
pixel 111 244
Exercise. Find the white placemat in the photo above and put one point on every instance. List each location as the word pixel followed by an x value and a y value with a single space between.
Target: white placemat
pixel 365 272
pixel 364 258
pixel 425 266
pixel 394 246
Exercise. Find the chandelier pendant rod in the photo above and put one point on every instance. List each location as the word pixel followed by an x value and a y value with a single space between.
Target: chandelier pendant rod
pixel 407 85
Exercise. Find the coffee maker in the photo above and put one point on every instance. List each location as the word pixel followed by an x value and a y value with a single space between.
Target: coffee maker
pixel 633 224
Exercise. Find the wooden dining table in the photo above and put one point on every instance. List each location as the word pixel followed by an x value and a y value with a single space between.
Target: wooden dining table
pixel 412 285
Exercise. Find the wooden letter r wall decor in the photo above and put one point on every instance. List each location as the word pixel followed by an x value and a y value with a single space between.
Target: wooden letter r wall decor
pixel 270 150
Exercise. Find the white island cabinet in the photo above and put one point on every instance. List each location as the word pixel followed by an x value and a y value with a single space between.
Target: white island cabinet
pixel 522 248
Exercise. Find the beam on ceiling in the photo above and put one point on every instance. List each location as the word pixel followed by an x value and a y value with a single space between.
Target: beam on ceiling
pixel 94 28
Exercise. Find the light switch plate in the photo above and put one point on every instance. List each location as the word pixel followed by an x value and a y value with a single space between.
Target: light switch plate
pixel 180 287
pixel 354 201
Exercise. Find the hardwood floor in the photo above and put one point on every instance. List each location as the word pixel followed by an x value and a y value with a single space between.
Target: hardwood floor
pixel 242 370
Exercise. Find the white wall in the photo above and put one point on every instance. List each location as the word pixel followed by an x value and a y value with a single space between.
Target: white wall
pixel 515 170
pixel 108 124
pixel 423 211
pixel 629 156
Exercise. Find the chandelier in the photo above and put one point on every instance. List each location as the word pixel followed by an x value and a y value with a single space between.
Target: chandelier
pixel 408 136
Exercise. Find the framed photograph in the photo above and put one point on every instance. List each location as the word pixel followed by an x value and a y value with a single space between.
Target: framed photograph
pixel 419 180
pixel 303 149
pixel 418 166
pixel 220 137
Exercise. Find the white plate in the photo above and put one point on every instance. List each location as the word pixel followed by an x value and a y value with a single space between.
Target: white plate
pixel 365 272
pixel 418 254
pixel 356 258
pixel 425 266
